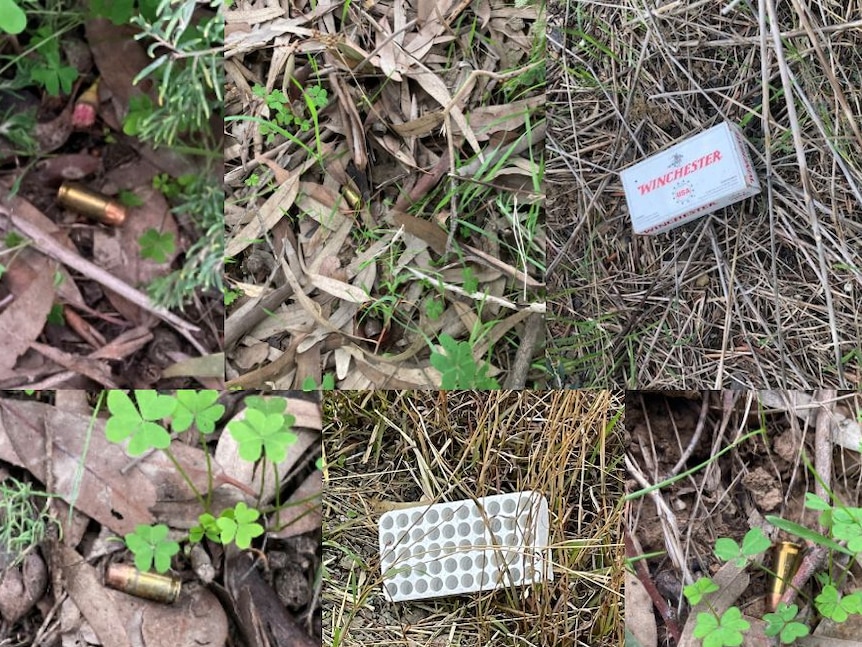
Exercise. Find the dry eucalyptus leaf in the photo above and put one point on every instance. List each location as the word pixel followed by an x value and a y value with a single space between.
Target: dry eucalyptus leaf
pixel 21 587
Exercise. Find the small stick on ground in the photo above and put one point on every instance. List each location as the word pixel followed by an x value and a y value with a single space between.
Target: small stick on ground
pixel 668 614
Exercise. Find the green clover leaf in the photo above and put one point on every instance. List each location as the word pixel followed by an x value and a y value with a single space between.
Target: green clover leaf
pixel 207 526
pixel 156 246
pixel 830 604
pixel 781 624
pixel 847 525
pixel 458 368
pixel 126 421
pixel 754 542
pixel 266 405
pixel 261 432
pixel 150 545
pixel 239 525
pixel 694 592
pixel 726 631
pixel 198 407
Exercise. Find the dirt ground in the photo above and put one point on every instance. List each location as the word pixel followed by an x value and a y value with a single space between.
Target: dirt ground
pixel 760 474
pixel 387 449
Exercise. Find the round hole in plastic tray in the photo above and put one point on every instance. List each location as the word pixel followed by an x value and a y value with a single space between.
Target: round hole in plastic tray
pixel 466 563
pixel 448 531
pixel 434 534
pixel 432 517
pixel 479 527
pixel 419 551
pixel 448 547
pixel 464 529
pixel 515 572
pixel 416 534
pixel 386 523
pixel 482 578
pixel 434 568
pixel 406 588
pixel 509 506
pixel 447 514
pixel 492 508
pixel 496 524
pixel 433 551
pixel 392 587
pixel 387 538
pixel 463 512
pixel 402 520
pixel 452 582
pixel 467 580
pixel 414 516
pixel 421 586
pixel 509 523
pixel 450 565
pixel 465 543
pixel 401 535
pixel 436 584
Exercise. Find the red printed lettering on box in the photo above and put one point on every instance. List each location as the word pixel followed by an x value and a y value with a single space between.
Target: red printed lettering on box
pixel 697 176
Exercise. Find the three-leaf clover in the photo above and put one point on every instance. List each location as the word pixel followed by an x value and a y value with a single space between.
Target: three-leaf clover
pixel 754 542
pixel 151 545
pixel 720 632
pixel 782 624
pixel 262 432
pixel 239 525
pixel 156 246
pixel 832 605
pixel 126 420
pixel 198 407
pixel 207 526
pixel 458 368
pixel 847 525
pixel 694 592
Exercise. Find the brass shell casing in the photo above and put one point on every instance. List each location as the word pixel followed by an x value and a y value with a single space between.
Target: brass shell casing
pixel 151 586
pixel 785 561
pixel 91 204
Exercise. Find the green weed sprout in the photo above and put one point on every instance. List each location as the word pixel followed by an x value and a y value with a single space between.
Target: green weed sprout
pixel 783 624
pixel 22 524
pixel 458 368
pixel 265 432
pixel 151 546
pixel 727 629
pixel 720 631
pixel 13 20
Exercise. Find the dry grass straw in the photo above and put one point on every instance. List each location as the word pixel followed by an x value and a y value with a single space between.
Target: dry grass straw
pixel 766 292
pixel 384 448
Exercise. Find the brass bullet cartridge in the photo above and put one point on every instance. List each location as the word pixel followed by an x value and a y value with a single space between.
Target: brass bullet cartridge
pixel 784 564
pixel 91 204
pixel 151 586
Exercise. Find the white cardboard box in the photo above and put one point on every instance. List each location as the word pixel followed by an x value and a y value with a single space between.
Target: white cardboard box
pixel 691 179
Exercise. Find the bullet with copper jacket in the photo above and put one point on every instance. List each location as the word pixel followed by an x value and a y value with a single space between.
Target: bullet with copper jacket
pixel 91 204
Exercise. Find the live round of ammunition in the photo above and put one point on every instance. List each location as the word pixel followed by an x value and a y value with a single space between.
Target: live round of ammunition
pixel 784 565
pixel 159 588
pixel 91 204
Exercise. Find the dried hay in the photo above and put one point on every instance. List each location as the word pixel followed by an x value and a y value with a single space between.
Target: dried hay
pixel 383 449
pixel 766 292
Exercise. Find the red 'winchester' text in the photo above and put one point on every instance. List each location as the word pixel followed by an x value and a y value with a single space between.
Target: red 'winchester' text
pixel 682 171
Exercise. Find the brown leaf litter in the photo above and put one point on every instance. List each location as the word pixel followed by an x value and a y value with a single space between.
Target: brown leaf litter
pixel 354 226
